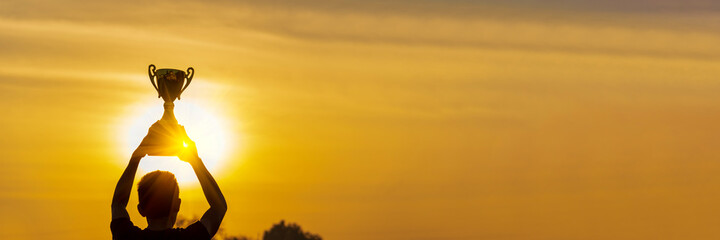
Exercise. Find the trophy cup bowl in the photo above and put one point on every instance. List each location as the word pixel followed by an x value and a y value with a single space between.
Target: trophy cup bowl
pixel 165 137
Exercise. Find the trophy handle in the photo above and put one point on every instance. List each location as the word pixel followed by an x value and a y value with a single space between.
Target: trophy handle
pixel 151 73
pixel 190 74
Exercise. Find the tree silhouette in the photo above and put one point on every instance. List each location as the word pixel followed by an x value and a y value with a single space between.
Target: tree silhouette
pixel 235 238
pixel 291 231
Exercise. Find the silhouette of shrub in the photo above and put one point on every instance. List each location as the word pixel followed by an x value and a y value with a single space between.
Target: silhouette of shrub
pixel 291 231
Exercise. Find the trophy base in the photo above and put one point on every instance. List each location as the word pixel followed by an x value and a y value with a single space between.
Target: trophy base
pixel 164 139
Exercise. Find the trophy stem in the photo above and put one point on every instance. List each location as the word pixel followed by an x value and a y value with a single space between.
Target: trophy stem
pixel 169 114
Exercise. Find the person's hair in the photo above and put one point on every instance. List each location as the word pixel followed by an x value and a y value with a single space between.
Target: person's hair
pixel 156 192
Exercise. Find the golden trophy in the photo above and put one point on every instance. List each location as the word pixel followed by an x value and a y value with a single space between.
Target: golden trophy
pixel 165 137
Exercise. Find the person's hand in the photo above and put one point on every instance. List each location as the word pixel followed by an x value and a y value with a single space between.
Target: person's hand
pixel 189 151
pixel 138 153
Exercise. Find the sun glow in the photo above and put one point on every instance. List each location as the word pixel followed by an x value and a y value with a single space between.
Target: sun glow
pixel 204 126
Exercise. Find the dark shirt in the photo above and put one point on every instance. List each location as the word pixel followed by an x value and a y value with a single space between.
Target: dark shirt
pixel 123 229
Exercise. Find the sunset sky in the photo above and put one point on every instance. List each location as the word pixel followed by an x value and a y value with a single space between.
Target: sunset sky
pixel 373 119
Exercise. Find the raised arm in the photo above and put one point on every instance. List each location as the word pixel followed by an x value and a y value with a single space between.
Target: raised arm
pixel 124 186
pixel 213 216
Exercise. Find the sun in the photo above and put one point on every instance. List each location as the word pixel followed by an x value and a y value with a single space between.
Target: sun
pixel 203 125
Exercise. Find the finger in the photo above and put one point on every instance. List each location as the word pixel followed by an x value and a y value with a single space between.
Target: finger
pixel 184 132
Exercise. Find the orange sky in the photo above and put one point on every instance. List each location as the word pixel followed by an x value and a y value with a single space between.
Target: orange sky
pixel 374 120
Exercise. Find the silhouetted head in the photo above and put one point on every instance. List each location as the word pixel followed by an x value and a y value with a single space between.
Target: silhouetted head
pixel 159 196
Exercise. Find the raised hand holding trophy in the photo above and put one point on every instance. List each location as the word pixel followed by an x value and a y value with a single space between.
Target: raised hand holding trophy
pixel 165 137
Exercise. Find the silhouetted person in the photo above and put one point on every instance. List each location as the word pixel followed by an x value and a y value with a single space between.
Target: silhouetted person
pixel 159 201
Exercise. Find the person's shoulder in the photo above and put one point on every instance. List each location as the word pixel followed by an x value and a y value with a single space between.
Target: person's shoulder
pixel 123 228
pixel 195 231
pixel 121 222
